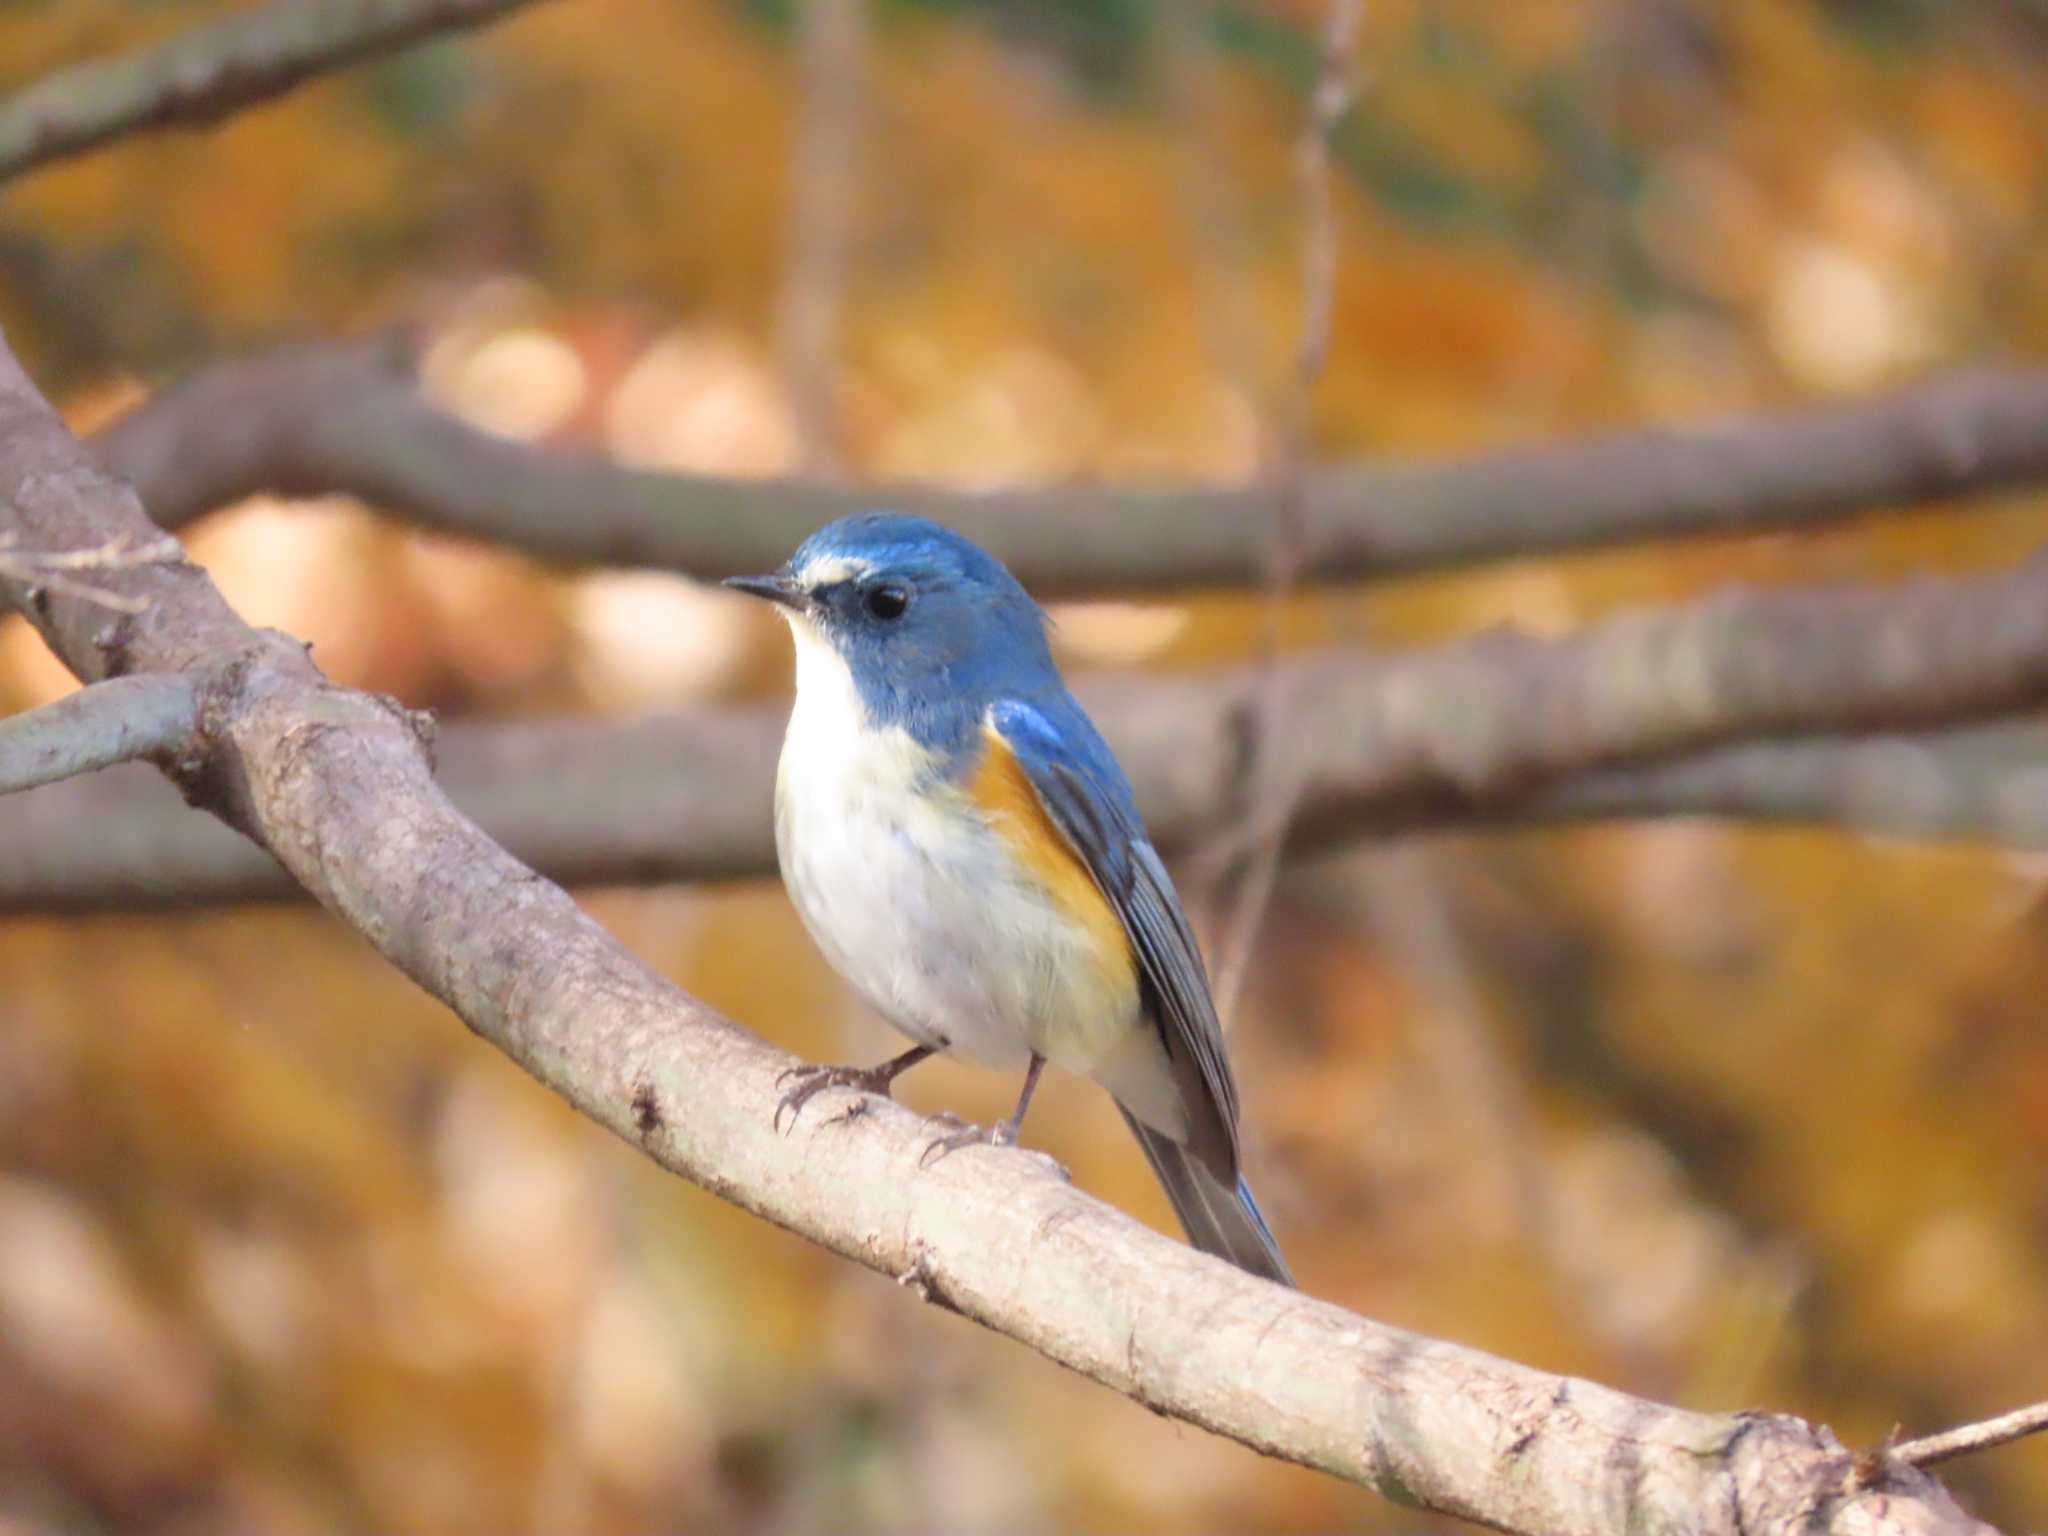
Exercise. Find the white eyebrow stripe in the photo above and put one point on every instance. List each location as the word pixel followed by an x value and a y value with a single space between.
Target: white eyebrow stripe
pixel 832 568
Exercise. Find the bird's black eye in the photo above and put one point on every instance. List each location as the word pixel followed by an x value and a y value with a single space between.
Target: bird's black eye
pixel 887 602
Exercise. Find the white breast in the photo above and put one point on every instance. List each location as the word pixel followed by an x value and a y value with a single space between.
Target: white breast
pixel 904 887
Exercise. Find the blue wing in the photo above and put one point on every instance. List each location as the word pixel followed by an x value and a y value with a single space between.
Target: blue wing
pixel 1090 801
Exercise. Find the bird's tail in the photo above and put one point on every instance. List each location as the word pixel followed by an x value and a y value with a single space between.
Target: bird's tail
pixel 1218 1219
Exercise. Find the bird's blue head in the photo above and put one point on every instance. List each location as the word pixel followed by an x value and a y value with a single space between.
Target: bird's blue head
pixel 927 626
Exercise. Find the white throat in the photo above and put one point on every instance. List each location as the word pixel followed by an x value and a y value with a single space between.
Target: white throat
pixel 826 698
pixel 834 757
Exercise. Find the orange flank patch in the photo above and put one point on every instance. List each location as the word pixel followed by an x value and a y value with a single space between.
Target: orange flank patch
pixel 1003 791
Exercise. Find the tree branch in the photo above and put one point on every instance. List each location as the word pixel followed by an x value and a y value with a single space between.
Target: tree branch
pixel 349 418
pixel 112 722
pixel 335 784
pixel 211 72
pixel 831 41
pixel 1502 714
pixel 1984 782
pixel 1645 715
pixel 551 793
pixel 1970 1438
pixel 1252 870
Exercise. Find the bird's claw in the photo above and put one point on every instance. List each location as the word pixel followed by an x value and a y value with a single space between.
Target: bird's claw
pixel 814 1080
pixel 1002 1134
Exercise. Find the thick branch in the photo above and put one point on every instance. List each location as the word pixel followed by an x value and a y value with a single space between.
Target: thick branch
pixel 1617 722
pixel 112 722
pixel 212 72
pixel 336 786
pixel 349 419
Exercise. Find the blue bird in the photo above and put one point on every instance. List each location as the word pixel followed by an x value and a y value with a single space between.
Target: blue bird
pixel 967 853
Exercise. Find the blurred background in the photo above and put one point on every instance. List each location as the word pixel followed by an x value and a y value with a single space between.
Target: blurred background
pixel 1725 1116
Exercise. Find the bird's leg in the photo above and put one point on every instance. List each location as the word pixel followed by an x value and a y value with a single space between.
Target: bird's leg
pixel 1002 1134
pixel 811 1081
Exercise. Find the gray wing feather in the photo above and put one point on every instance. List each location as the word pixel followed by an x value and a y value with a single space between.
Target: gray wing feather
pixel 1083 791
pixel 1129 872
pixel 1220 1219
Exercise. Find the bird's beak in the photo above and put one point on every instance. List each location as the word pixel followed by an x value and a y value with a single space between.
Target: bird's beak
pixel 776 589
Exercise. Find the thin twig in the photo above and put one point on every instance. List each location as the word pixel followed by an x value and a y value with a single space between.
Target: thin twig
pixel 1332 99
pixel 1213 199
pixel 214 71
pixel 117 721
pixel 1287 545
pixel 118 554
pixel 53 572
pixel 1968 1439
pixel 832 36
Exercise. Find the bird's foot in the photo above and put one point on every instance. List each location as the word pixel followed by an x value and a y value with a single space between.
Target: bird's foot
pixel 1002 1134
pixel 813 1080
